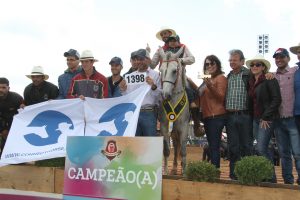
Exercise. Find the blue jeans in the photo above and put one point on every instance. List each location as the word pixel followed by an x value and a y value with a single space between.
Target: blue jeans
pixel 240 138
pixel 263 137
pixel 146 124
pixel 288 140
pixel 213 129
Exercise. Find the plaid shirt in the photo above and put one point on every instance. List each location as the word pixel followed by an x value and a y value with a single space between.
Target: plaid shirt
pixel 286 83
pixel 236 96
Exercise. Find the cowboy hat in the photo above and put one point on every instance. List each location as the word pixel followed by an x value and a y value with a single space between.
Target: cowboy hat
pixel 87 55
pixel 294 49
pixel 164 28
pixel 259 58
pixel 38 71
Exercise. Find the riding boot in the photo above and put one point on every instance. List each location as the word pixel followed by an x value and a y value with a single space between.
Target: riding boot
pixel 196 120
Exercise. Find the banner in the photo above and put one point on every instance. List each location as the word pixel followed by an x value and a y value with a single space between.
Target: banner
pixel 113 168
pixel 39 131
pixel 114 116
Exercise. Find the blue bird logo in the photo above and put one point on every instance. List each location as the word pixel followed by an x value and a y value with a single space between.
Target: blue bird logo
pixel 54 122
pixel 119 116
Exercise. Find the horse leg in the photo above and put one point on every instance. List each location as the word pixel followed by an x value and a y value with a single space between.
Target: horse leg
pixel 175 145
pixel 182 143
pixel 166 152
pixel 166 147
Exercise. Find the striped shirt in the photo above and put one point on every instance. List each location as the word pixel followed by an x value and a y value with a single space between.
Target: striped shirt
pixel 286 84
pixel 236 96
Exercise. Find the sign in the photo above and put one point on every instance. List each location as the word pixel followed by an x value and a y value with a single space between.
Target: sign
pixel 113 168
pixel 39 131
pixel 135 78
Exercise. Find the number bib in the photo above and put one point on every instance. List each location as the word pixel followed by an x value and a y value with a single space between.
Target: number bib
pixel 136 78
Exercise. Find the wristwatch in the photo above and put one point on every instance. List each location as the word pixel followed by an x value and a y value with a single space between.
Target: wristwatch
pixel 153 87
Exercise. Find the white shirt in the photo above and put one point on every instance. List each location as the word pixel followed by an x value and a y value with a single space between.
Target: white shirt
pixel 153 97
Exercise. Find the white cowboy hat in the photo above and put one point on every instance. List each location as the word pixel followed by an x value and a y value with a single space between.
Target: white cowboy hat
pixel 164 28
pixel 87 55
pixel 259 58
pixel 38 71
pixel 294 49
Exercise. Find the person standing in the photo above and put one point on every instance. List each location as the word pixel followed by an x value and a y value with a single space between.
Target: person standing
pixel 116 64
pixel 239 120
pixel 212 99
pixel 286 131
pixel 10 102
pixel 148 117
pixel 39 90
pixel 64 80
pixel 296 50
pixel 88 83
pixel 264 103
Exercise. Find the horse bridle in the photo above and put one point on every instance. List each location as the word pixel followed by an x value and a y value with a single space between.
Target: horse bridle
pixel 167 61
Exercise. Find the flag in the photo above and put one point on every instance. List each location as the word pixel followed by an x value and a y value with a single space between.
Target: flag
pixel 39 131
pixel 118 116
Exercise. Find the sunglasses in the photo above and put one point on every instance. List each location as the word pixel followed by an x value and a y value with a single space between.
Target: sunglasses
pixel 209 64
pixel 256 65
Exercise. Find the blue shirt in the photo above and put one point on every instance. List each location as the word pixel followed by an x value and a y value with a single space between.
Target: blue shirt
pixel 297 91
pixel 64 82
pixel 113 88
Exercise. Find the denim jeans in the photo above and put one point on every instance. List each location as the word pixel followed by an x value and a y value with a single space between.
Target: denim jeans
pixel 288 140
pixel 263 137
pixel 146 124
pixel 240 138
pixel 297 120
pixel 213 129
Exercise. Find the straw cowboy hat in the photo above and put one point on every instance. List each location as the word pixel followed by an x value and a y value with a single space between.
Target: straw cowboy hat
pixel 164 28
pixel 259 58
pixel 38 71
pixel 87 55
pixel 294 49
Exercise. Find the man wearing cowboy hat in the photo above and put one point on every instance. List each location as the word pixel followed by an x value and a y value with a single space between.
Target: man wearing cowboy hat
pixel 296 50
pixel 64 80
pixel 89 83
pixel 39 90
pixel 286 131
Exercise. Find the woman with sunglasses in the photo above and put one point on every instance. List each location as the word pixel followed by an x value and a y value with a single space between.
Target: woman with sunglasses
pixel 212 97
pixel 264 103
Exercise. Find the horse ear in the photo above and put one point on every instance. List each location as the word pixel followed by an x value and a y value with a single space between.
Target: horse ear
pixel 179 52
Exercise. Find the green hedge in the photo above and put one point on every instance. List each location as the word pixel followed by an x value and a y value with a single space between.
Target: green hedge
pixel 252 170
pixel 202 171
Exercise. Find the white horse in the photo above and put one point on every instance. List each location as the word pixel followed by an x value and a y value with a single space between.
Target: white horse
pixel 175 107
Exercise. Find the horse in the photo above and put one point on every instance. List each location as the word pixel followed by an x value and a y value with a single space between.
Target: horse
pixel 175 107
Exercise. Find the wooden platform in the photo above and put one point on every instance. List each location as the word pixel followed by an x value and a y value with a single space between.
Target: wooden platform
pixel 195 153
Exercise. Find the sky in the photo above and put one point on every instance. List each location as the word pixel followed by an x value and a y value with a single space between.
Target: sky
pixel 38 32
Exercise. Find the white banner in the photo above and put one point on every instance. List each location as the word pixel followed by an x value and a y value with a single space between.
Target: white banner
pixel 39 131
pixel 114 116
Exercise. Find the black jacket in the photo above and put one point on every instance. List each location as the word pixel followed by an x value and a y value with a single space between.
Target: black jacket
pixel 37 94
pixel 268 98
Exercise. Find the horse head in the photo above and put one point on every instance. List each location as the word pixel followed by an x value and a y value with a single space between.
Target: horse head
pixel 172 75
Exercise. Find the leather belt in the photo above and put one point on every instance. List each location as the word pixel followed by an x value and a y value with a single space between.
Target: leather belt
pixel 215 116
pixel 238 112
